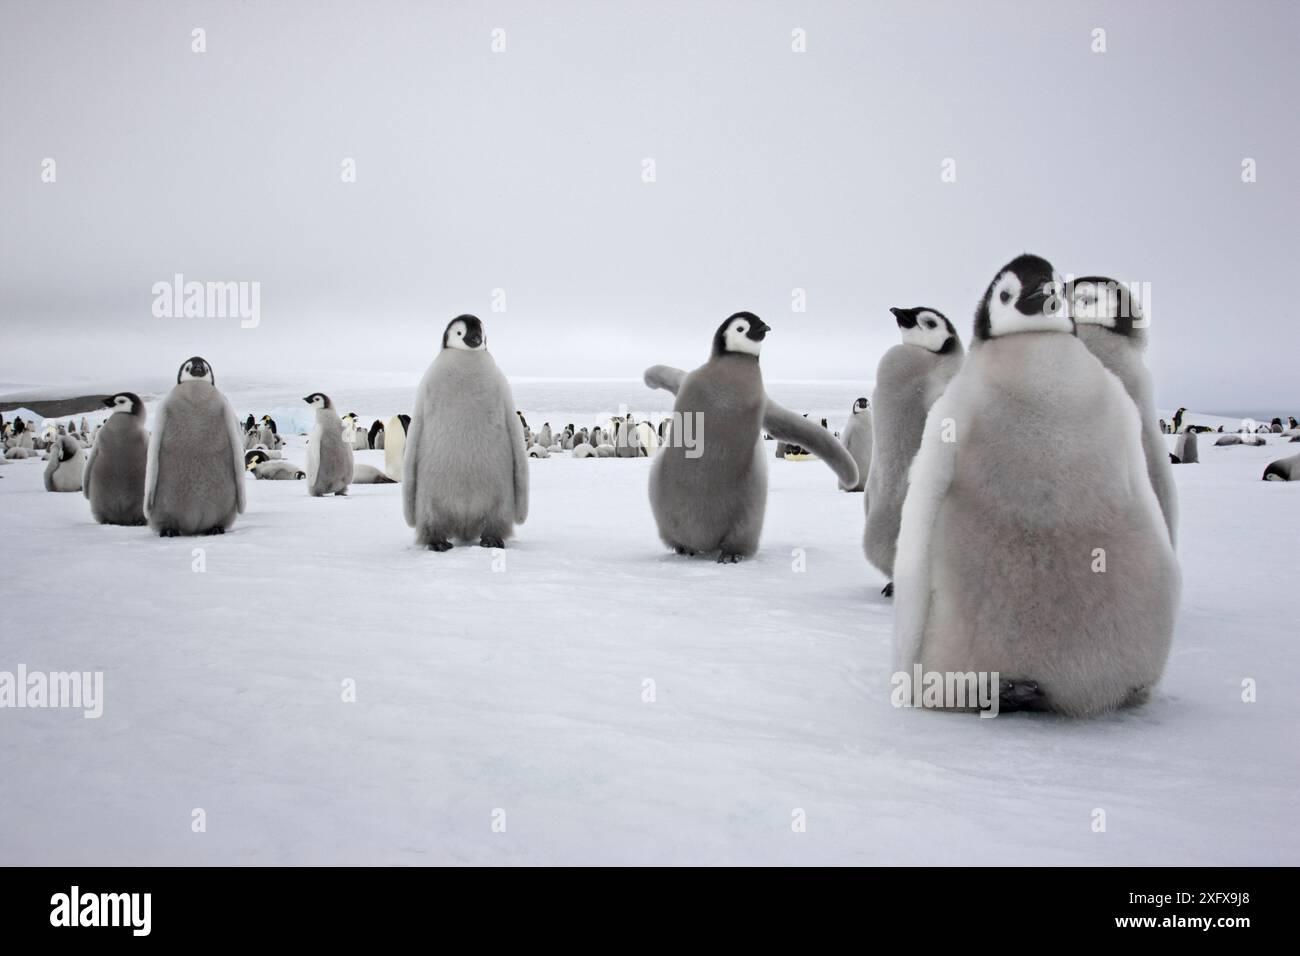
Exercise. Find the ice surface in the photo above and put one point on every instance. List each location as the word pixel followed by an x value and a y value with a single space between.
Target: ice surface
pixel 522 689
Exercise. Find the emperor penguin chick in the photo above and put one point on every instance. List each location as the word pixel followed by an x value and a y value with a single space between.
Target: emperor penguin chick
pixel 115 470
pixel 708 484
pixel 1110 325
pixel 908 380
pixel 67 462
pixel 1032 542
pixel 857 439
pixel 329 457
pixel 194 482
pixel 465 471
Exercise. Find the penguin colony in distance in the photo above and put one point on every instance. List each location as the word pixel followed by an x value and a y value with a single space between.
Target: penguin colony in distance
pixel 1109 324
pixel 857 439
pixel 115 470
pixel 908 380
pixel 714 497
pixel 329 458
pixel 465 473
pixel 194 483
pixel 988 510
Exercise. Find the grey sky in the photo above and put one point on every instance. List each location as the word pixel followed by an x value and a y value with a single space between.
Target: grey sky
pixel 522 170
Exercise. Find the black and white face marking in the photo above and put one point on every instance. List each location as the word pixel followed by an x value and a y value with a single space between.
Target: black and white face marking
pixel 1027 295
pixel 860 406
pixel 927 328
pixel 196 369
pixel 742 333
pixel 1096 300
pixel 318 400
pixel 127 402
pixel 465 332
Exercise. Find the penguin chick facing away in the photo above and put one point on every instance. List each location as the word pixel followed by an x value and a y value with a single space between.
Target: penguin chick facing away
pixel 194 483
pixel 1046 560
pixel 266 468
pixel 329 457
pixel 1110 325
pixel 909 378
pixel 66 464
pixel 857 439
pixel 710 493
pixel 115 469
pixel 465 471
pixel 369 475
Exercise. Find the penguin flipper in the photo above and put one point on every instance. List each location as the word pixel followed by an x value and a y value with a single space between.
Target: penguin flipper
pixel 85 474
pixel 784 425
pixel 519 451
pixel 929 478
pixel 665 377
pixel 151 463
pixel 411 468
pixel 237 454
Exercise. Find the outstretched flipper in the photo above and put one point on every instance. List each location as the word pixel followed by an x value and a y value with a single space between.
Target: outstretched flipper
pixel 665 377
pixel 410 459
pixel 928 481
pixel 784 425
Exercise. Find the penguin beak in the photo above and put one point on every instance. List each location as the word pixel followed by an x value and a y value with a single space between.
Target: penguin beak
pixel 307 399
pixel 904 318
pixel 109 402
pixel 473 338
pixel 758 331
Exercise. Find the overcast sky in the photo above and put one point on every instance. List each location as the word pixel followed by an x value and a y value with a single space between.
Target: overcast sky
pixel 523 171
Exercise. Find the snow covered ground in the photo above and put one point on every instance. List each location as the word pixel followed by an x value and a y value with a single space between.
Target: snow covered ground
pixel 523 689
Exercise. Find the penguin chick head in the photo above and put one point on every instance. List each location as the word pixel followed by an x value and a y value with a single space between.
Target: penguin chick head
pixel 1027 295
pixel 196 369
pixel 926 327
pixel 742 333
pixel 128 402
pixel 860 406
pixel 318 400
pixel 465 332
pixel 1096 300
pixel 254 458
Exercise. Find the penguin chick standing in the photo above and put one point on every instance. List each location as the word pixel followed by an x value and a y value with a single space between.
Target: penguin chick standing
pixel 115 470
pixel 908 380
pixel 329 457
pixel 194 482
pixel 1109 325
pixel 67 462
pixel 857 439
pixel 1032 543
pixel 711 494
pixel 465 472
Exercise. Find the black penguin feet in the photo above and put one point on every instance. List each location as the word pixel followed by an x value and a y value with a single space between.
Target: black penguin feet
pixel 216 530
pixel 686 551
pixel 1021 695
pixel 491 541
pixel 169 533
pixel 725 558
pixel 440 545
pixel 888 589
pixel 339 494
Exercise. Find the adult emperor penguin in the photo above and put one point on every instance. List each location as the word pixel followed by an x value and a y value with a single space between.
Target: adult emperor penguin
pixel 67 463
pixel 465 474
pixel 857 439
pixel 194 482
pixel 395 445
pixel 329 457
pixel 115 470
pixel 1110 324
pixel 908 380
pixel 375 435
pixel 710 494
pixel 1032 542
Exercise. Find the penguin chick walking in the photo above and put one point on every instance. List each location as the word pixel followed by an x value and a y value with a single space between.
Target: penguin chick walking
pixel 115 469
pixel 329 457
pixel 465 473
pixel 710 493
pixel 194 482
pixel 67 462
pixel 857 439
pixel 1110 325
pixel 1032 543
pixel 908 380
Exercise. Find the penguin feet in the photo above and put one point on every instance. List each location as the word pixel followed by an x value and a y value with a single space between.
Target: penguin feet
pixel 218 529
pixel 339 494
pixel 169 533
pixel 686 551
pixel 440 545
pixel 888 589
pixel 1021 695
pixel 725 558
pixel 490 541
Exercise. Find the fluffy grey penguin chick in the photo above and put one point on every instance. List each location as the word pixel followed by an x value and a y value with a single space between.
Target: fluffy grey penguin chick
pixel 712 497
pixel 858 439
pixel 329 457
pixel 118 461
pixel 66 465
pixel 465 470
